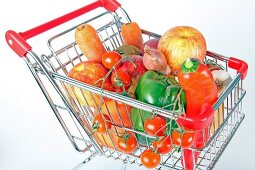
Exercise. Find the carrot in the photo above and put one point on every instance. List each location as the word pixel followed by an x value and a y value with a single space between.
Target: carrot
pixel 89 42
pixel 132 34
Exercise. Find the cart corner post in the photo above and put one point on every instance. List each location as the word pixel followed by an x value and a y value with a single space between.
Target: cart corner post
pixel 17 43
pixel 110 5
pixel 239 65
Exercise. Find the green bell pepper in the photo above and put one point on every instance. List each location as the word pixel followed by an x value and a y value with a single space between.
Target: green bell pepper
pixel 158 90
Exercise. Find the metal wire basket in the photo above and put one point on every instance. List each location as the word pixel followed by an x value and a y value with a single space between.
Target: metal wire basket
pixel 64 94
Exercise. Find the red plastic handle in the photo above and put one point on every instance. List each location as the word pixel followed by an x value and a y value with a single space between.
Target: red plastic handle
pixel 239 65
pixel 17 41
pixel 110 5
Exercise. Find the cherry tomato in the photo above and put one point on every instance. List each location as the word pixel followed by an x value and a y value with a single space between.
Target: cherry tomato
pixel 107 85
pixel 110 58
pixel 101 123
pixel 150 159
pixel 119 79
pixel 163 146
pixel 186 140
pixel 155 126
pixel 127 143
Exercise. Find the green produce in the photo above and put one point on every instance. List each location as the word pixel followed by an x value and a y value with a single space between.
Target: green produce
pixel 158 90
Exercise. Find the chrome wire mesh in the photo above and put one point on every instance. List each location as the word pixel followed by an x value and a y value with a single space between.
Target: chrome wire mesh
pixel 227 118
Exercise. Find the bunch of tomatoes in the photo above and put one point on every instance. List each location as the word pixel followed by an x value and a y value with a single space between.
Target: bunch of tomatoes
pixel 156 126
pixel 119 78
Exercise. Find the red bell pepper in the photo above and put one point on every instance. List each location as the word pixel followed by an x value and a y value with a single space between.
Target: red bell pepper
pixel 199 85
pixel 201 93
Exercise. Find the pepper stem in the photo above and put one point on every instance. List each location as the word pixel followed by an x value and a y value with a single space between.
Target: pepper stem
pixel 188 63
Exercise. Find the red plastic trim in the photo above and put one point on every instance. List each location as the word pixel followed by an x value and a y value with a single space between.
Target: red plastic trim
pixel 60 20
pixel 111 5
pixel 239 65
pixel 199 122
pixel 17 43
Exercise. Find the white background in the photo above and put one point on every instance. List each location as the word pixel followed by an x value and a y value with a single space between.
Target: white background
pixel 30 135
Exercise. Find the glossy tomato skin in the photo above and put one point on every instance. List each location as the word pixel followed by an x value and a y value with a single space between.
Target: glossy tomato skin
pixel 101 123
pixel 186 140
pixel 119 78
pixel 155 126
pixel 150 159
pixel 127 144
pixel 163 146
pixel 107 85
pixel 110 58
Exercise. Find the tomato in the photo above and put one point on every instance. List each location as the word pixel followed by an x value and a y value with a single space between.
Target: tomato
pixel 110 58
pixel 150 159
pixel 107 85
pixel 155 126
pixel 127 143
pixel 186 140
pixel 163 146
pixel 101 123
pixel 119 79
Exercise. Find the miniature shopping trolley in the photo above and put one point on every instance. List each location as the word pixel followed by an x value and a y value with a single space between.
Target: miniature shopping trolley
pixel 50 72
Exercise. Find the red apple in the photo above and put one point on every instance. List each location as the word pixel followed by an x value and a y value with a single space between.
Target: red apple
pixel 87 72
pixel 134 66
pixel 180 43
pixel 135 69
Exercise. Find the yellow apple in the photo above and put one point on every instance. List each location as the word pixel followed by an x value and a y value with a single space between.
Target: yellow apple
pixel 180 43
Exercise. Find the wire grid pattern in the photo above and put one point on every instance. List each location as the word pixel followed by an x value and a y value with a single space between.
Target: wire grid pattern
pixel 65 58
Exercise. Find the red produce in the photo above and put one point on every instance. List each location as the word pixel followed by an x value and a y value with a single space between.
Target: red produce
pixel 153 43
pixel 134 66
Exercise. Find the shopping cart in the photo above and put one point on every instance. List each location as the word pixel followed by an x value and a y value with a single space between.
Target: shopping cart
pixel 50 72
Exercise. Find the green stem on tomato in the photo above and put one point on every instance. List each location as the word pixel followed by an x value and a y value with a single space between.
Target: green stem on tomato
pixel 174 104
pixel 95 126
